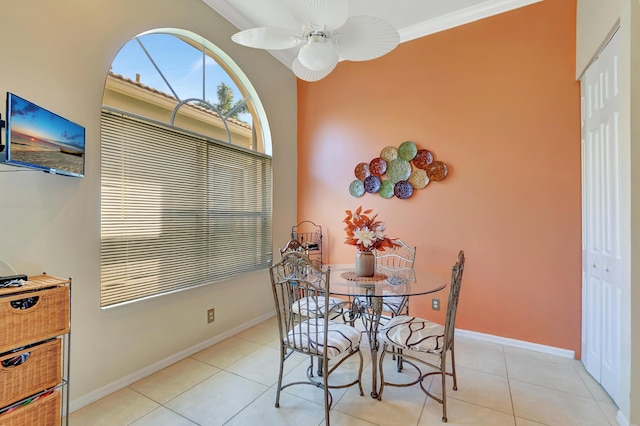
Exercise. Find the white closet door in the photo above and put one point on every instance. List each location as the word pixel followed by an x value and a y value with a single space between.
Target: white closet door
pixel 601 251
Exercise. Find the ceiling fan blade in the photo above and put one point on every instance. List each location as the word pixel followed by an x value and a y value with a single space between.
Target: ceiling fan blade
pixel 267 38
pixel 330 14
pixel 304 73
pixel 363 38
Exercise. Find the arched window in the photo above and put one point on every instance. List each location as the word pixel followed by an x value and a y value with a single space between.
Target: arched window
pixel 185 169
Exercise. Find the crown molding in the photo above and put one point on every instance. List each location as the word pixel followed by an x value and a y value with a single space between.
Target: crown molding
pixel 228 12
pixel 461 17
pixel 455 19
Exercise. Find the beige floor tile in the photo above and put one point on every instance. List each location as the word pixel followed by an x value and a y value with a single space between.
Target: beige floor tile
pixel 263 365
pixel 170 382
pixel 119 408
pixel 341 419
pixel 476 387
pixel 227 352
pixel 482 356
pixel 610 411
pixel 526 422
pixel 594 387
pixel 551 407
pixel 345 373
pixel 164 417
pixel 275 343
pixel 399 406
pixel 263 333
pixel 463 413
pixel 217 399
pixel 554 373
pixel 496 386
pixel 293 411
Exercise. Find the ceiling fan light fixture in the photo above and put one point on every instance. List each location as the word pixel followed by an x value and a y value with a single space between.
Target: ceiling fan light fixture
pixel 317 55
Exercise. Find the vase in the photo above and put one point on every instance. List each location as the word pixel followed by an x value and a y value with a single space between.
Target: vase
pixel 365 264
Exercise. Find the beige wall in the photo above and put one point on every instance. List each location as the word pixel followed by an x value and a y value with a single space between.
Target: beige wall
pixel 57 55
pixel 596 19
pixel 630 24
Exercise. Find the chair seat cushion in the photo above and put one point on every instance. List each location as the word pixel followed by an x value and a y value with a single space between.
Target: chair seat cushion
pixel 308 307
pixel 393 304
pixel 417 334
pixel 309 336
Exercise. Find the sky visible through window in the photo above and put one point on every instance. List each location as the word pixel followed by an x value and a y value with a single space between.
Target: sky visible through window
pixel 180 63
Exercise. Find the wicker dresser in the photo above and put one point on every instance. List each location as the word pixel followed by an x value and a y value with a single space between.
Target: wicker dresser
pixel 34 351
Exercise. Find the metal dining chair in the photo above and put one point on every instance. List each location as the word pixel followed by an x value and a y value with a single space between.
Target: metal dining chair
pixel 336 305
pixel 406 336
pixel 296 281
pixel 400 257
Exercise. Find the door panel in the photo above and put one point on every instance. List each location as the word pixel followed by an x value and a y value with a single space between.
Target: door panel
pixel 602 285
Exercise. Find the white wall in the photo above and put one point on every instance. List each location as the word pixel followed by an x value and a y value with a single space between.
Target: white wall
pixel 57 54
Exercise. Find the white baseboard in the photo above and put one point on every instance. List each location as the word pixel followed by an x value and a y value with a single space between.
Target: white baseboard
pixel 122 383
pixel 565 353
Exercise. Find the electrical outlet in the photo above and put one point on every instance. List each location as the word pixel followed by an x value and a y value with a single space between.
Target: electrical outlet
pixel 435 304
pixel 211 315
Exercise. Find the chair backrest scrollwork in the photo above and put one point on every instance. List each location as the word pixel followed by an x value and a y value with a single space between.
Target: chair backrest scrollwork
pixel 401 256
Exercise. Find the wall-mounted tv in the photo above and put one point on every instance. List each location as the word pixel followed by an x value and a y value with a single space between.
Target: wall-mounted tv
pixel 39 139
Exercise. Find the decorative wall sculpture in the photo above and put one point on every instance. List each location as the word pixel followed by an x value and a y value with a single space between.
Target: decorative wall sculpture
pixel 397 172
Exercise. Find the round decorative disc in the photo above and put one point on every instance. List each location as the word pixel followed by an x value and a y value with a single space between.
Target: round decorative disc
pixel 377 166
pixel 398 170
pixel 403 190
pixel 437 171
pixel 407 150
pixel 372 184
pixel 386 189
pixel 356 188
pixel 389 153
pixel 423 158
pixel 362 171
pixel 418 178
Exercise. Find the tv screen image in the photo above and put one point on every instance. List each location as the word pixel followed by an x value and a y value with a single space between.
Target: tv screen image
pixel 39 139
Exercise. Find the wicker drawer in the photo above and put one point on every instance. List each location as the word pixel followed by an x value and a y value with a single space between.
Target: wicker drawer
pixel 32 316
pixel 29 371
pixel 45 411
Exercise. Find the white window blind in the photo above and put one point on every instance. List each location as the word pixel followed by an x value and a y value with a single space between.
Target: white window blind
pixel 178 211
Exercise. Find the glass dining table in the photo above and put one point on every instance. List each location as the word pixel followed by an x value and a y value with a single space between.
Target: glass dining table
pixel 368 293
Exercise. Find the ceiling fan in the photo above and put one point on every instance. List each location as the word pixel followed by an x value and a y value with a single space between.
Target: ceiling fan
pixel 327 35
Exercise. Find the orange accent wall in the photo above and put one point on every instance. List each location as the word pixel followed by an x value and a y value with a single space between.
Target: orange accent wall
pixel 496 100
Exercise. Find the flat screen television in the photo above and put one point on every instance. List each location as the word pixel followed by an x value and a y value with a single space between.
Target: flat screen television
pixel 39 139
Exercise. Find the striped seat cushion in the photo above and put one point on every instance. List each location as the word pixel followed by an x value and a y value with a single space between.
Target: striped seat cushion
pixel 308 307
pixel 417 334
pixel 308 337
pixel 393 304
pixel 389 303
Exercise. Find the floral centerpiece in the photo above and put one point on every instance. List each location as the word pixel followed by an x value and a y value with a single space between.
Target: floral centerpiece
pixel 367 233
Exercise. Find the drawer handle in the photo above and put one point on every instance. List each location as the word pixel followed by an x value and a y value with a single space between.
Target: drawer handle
pixel 16 360
pixel 26 303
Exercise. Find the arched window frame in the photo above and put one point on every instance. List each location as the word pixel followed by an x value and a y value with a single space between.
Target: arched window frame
pixel 155 233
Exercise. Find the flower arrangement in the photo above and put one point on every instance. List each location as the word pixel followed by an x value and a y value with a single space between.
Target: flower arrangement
pixel 365 232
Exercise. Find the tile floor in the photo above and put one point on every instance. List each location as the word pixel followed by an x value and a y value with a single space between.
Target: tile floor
pixel 233 383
